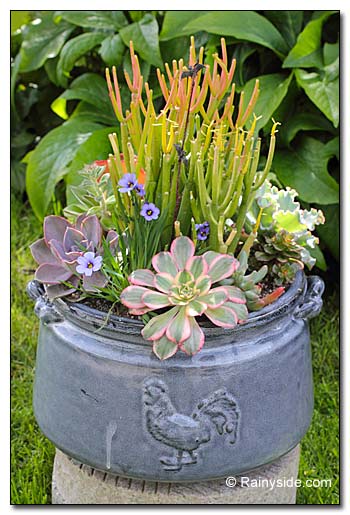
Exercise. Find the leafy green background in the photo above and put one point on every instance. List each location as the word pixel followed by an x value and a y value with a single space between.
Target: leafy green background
pixel 61 111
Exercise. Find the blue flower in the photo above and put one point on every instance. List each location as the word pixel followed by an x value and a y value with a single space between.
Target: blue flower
pixel 140 190
pixel 203 231
pixel 149 211
pixel 127 182
pixel 88 263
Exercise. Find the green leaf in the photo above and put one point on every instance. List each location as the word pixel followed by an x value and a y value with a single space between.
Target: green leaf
pixel 112 50
pixel 331 148
pixel 50 67
pixel 304 122
pixel 330 53
pixel 273 89
pixel 305 169
pixel 317 254
pixel 97 146
pixel 323 89
pixel 288 23
pixel 175 22
pixel 73 50
pixel 19 18
pixel 49 161
pixel 329 232
pixel 245 25
pixel 144 35
pixel 307 51
pixel 43 40
pixel 90 88
pixel 113 20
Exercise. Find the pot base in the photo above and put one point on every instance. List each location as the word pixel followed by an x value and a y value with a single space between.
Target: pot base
pixel 75 483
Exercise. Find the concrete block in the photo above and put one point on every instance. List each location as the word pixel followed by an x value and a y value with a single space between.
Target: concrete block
pixel 274 483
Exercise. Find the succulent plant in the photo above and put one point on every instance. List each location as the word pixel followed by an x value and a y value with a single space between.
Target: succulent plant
pixel 281 214
pixel 282 254
pixel 184 283
pixel 284 273
pixel 200 154
pixel 250 285
pixel 70 254
pixel 92 196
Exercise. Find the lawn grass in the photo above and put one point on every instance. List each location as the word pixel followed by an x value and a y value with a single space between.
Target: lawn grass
pixel 32 454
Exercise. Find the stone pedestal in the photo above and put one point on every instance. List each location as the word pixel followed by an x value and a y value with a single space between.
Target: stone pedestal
pixel 75 483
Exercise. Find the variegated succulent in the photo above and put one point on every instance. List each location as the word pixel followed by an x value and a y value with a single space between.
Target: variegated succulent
pixel 183 285
pixel 71 254
pixel 284 227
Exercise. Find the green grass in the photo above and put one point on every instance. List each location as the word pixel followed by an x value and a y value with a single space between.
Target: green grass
pixel 32 454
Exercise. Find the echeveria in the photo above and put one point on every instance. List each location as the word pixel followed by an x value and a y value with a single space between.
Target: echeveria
pixel 184 283
pixel 59 251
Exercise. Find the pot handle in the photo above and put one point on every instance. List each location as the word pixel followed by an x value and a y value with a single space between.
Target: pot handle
pixel 44 309
pixel 311 304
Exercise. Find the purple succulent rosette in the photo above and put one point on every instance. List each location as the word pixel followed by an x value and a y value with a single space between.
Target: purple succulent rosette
pixel 183 282
pixel 58 252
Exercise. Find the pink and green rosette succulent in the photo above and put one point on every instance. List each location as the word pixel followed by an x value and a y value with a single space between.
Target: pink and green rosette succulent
pixel 182 287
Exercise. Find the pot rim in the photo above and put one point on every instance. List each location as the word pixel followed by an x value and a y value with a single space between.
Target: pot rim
pixel 88 317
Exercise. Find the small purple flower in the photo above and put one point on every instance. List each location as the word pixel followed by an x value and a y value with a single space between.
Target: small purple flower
pixel 149 211
pixel 203 231
pixel 140 189
pixel 127 182
pixel 88 263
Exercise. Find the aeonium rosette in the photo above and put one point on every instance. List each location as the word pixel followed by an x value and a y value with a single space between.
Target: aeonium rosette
pixel 184 283
pixel 70 255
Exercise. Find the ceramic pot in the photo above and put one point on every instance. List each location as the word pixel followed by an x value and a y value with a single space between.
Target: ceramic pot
pixel 103 397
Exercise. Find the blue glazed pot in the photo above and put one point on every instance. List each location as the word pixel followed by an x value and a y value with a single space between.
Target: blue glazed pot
pixel 103 397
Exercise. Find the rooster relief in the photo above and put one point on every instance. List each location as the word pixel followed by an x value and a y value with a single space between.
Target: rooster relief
pixel 185 434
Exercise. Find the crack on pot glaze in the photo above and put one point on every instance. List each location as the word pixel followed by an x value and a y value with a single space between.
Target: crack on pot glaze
pixel 84 392
pixel 111 430
pixel 185 434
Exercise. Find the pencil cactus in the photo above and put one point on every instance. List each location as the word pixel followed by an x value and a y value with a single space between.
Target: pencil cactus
pixel 184 283
pixel 200 155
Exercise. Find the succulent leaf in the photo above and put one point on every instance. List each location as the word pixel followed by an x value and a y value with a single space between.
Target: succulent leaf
pixel 215 297
pixel 163 282
pixel 155 300
pixel 223 316
pixel 221 267
pixel 92 230
pixel 164 348
pixel 94 282
pixel 132 297
pixel 197 266
pixel 195 341
pixel 164 262
pixel 41 252
pixel 179 328
pixel 52 274
pixel 157 326
pixel 55 227
pixel 142 277
pixel 182 249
